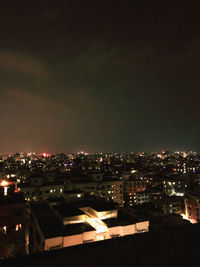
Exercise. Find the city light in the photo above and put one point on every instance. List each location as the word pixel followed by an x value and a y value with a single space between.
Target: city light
pixel 185 217
pixel 4 183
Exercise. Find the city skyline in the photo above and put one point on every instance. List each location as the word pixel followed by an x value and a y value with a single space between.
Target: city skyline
pixel 103 76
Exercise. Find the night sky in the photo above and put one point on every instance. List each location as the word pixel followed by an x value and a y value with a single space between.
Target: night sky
pixel 99 75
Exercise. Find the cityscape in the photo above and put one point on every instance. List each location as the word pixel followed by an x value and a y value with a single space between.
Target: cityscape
pixel 53 201
pixel 99 133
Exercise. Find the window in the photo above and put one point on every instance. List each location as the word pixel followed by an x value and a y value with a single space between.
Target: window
pixel 18 227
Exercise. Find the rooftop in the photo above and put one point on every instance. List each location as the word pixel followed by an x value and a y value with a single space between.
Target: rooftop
pixel 49 223
pixel 68 210
pixel 52 226
pixel 78 228
pixel 155 248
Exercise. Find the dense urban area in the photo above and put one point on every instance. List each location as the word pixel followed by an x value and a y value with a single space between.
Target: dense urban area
pixel 53 201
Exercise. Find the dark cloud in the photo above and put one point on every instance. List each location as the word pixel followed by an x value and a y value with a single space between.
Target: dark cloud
pixel 107 75
pixel 22 64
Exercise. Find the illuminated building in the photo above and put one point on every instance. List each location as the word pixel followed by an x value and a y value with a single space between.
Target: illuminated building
pixel 108 189
pixel 131 188
pixel 38 189
pixel 192 208
pixel 141 197
pixel 168 204
pixel 67 225
pixel 175 186
pixel 13 226
pixel 73 195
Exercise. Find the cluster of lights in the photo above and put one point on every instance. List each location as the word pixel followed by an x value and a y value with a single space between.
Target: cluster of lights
pixel 185 217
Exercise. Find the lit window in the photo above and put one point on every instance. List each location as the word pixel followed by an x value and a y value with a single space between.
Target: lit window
pixel 18 227
pixel 4 229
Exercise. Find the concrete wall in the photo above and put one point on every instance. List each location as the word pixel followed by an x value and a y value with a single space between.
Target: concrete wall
pixel 92 236
pixel 142 226
pixel 128 229
pixel 73 240
pixel 53 242
pixel 117 230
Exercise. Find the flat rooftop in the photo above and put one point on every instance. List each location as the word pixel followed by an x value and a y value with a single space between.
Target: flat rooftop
pixel 67 210
pixel 78 228
pixel 51 223
pixel 48 221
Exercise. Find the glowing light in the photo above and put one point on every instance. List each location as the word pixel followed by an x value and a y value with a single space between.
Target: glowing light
pixel 5 229
pixel 18 227
pixel 95 222
pixel 5 191
pixel 185 217
pixel 100 238
pixel 4 183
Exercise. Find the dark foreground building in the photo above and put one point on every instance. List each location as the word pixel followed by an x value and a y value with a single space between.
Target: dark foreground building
pixel 13 223
pixel 165 247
